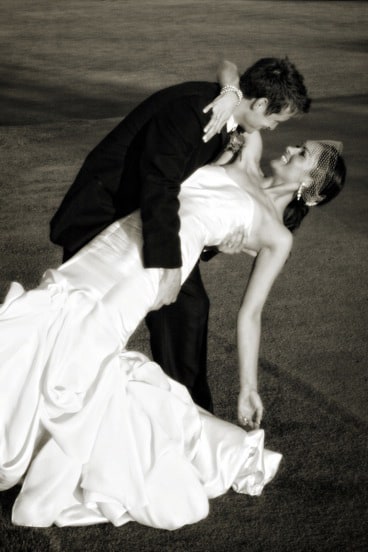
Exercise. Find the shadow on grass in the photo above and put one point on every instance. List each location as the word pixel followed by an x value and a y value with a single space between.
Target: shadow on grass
pixel 25 100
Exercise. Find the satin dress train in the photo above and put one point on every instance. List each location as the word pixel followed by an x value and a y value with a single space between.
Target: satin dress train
pixel 94 432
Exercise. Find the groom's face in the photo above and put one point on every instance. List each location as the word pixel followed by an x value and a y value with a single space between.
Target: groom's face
pixel 255 117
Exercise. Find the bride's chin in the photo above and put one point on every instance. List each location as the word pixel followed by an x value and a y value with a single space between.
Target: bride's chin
pixel 274 164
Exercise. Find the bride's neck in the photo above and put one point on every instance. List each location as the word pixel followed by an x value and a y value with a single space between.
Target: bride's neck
pixel 279 192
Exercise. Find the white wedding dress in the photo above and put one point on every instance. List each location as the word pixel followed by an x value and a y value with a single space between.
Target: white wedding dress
pixel 94 432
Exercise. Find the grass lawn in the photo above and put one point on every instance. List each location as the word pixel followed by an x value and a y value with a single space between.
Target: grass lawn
pixel 69 71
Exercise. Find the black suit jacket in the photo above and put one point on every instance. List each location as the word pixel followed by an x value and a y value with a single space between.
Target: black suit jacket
pixel 141 164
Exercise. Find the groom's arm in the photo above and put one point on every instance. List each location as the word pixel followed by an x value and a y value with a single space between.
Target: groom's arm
pixel 173 139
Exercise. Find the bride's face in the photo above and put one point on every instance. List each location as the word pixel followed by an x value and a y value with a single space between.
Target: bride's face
pixel 296 163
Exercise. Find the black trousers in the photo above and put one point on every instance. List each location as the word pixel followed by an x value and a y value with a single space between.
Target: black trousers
pixel 178 337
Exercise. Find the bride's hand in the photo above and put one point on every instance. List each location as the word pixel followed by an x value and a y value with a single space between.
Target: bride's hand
pixel 250 408
pixel 169 288
pixel 222 109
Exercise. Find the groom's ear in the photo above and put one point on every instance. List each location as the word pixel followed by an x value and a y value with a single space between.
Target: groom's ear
pixel 260 105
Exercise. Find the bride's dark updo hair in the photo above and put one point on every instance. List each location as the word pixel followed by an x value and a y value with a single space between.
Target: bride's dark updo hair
pixel 334 174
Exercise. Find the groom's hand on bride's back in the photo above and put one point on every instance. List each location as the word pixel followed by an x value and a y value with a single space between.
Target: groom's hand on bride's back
pixel 235 242
pixel 170 284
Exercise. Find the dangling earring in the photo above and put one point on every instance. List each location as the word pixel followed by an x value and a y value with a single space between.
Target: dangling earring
pixel 300 191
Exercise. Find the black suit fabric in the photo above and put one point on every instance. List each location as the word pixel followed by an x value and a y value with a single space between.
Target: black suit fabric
pixel 179 338
pixel 141 164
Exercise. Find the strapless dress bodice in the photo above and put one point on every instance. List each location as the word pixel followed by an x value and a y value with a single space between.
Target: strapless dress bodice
pixel 210 199
pixel 212 206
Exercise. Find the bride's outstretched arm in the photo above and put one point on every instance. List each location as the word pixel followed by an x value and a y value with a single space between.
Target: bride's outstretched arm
pixel 266 268
pixel 223 106
pixel 228 73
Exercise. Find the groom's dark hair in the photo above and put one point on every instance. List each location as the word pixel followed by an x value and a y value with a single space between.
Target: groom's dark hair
pixel 279 81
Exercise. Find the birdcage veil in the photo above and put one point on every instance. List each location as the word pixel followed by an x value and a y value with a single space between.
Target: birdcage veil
pixel 328 152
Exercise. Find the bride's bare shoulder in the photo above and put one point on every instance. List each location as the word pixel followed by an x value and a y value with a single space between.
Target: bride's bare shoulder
pixel 268 229
pixel 275 233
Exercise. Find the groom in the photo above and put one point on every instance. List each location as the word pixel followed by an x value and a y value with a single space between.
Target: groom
pixel 141 164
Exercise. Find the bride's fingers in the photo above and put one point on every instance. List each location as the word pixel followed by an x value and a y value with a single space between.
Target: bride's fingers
pixel 243 421
pixel 208 135
pixel 259 416
pixel 211 105
pixel 245 416
pixel 248 423
pixel 213 127
pixel 208 107
pixel 213 123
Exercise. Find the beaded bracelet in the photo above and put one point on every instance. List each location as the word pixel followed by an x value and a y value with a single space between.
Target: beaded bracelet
pixel 231 88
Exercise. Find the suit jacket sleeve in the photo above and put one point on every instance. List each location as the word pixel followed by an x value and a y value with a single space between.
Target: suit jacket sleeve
pixel 172 141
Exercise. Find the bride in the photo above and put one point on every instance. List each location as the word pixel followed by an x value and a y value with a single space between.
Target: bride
pixel 94 432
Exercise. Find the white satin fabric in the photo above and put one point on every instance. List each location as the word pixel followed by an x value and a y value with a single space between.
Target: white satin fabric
pixel 96 433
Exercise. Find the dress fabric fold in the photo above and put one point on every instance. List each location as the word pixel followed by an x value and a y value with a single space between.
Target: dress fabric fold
pixel 93 432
